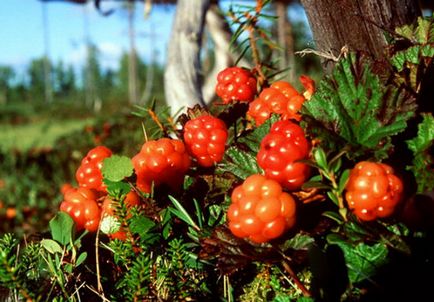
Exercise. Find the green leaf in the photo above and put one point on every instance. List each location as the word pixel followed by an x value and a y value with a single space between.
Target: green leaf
pixel 117 189
pixel 253 139
pixel 51 246
pixel 343 180
pixel 140 225
pixel 298 242
pixel 423 159
pixel 320 158
pixel 240 163
pixel 425 135
pixel 182 213
pixel 354 108
pixel 362 260
pixel 62 228
pixel 116 168
pixel 81 258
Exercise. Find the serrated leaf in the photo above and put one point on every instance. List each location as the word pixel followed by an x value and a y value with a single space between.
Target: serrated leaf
pixel 51 246
pixel 423 161
pixel 362 260
pixel 253 139
pixel 62 228
pixel 140 225
pixel 298 242
pixel 116 168
pixel 117 189
pixel 425 135
pixel 354 108
pixel 240 163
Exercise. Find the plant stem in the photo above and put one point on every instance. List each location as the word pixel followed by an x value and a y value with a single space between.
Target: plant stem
pixel 297 281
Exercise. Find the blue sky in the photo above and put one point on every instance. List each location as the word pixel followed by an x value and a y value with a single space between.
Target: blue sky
pixel 22 36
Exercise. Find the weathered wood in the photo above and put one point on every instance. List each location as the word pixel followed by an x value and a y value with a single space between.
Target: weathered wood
pixel 182 76
pixel 358 24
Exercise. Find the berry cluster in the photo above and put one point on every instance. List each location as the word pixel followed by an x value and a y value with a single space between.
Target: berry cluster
pixel 163 161
pixel 89 175
pixel 280 151
pixel 236 84
pixel 373 190
pixel 260 210
pixel 81 204
pixel 280 98
pixel 205 138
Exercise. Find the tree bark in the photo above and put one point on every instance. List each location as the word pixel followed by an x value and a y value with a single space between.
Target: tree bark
pixel 286 40
pixel 182 77
pixel 358 24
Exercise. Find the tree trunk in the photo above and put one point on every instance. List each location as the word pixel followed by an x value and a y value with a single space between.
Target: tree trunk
pixel 286 40
pixel 358 24
pixel 132 58
pixel 182 77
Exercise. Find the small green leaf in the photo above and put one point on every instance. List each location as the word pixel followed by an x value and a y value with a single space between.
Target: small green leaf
pixel 343 180
pixel 81 258
pixel 333 197
pixel 51 246
pixel 62 228
pixel 320 158
pixel 116 168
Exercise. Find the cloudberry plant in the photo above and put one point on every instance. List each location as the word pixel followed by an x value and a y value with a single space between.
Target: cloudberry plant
pixel 279 152
pixel 89 174
pixel 236 84
pixel 260 210
pixel 162 161
pixel 205 138
pixel 373 190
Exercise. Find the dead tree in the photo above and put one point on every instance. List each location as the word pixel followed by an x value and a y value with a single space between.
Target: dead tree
pixel 182 75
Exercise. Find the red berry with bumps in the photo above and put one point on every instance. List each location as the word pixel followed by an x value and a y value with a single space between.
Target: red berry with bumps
pixel 279 152
pixel 205 138
pixel 163 161
pixel 373 190
pixel 89 174
pixel 280 98
pixel 81 204
pixel 260 210
pixel 236 84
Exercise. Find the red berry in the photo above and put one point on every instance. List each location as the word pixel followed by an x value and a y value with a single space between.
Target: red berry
pixel 236 84
pixel 205 138
pixel 260 210
pixel 81 204
pixel 89 174
pixel 280 98
pixel 373 190
pixel 279 152
pixel 161 161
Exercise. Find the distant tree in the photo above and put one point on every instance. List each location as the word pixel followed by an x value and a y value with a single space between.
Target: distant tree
pixel 92 77
pixel 7 74
pixel 64 80
pixel 36 76
pixel 124 74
